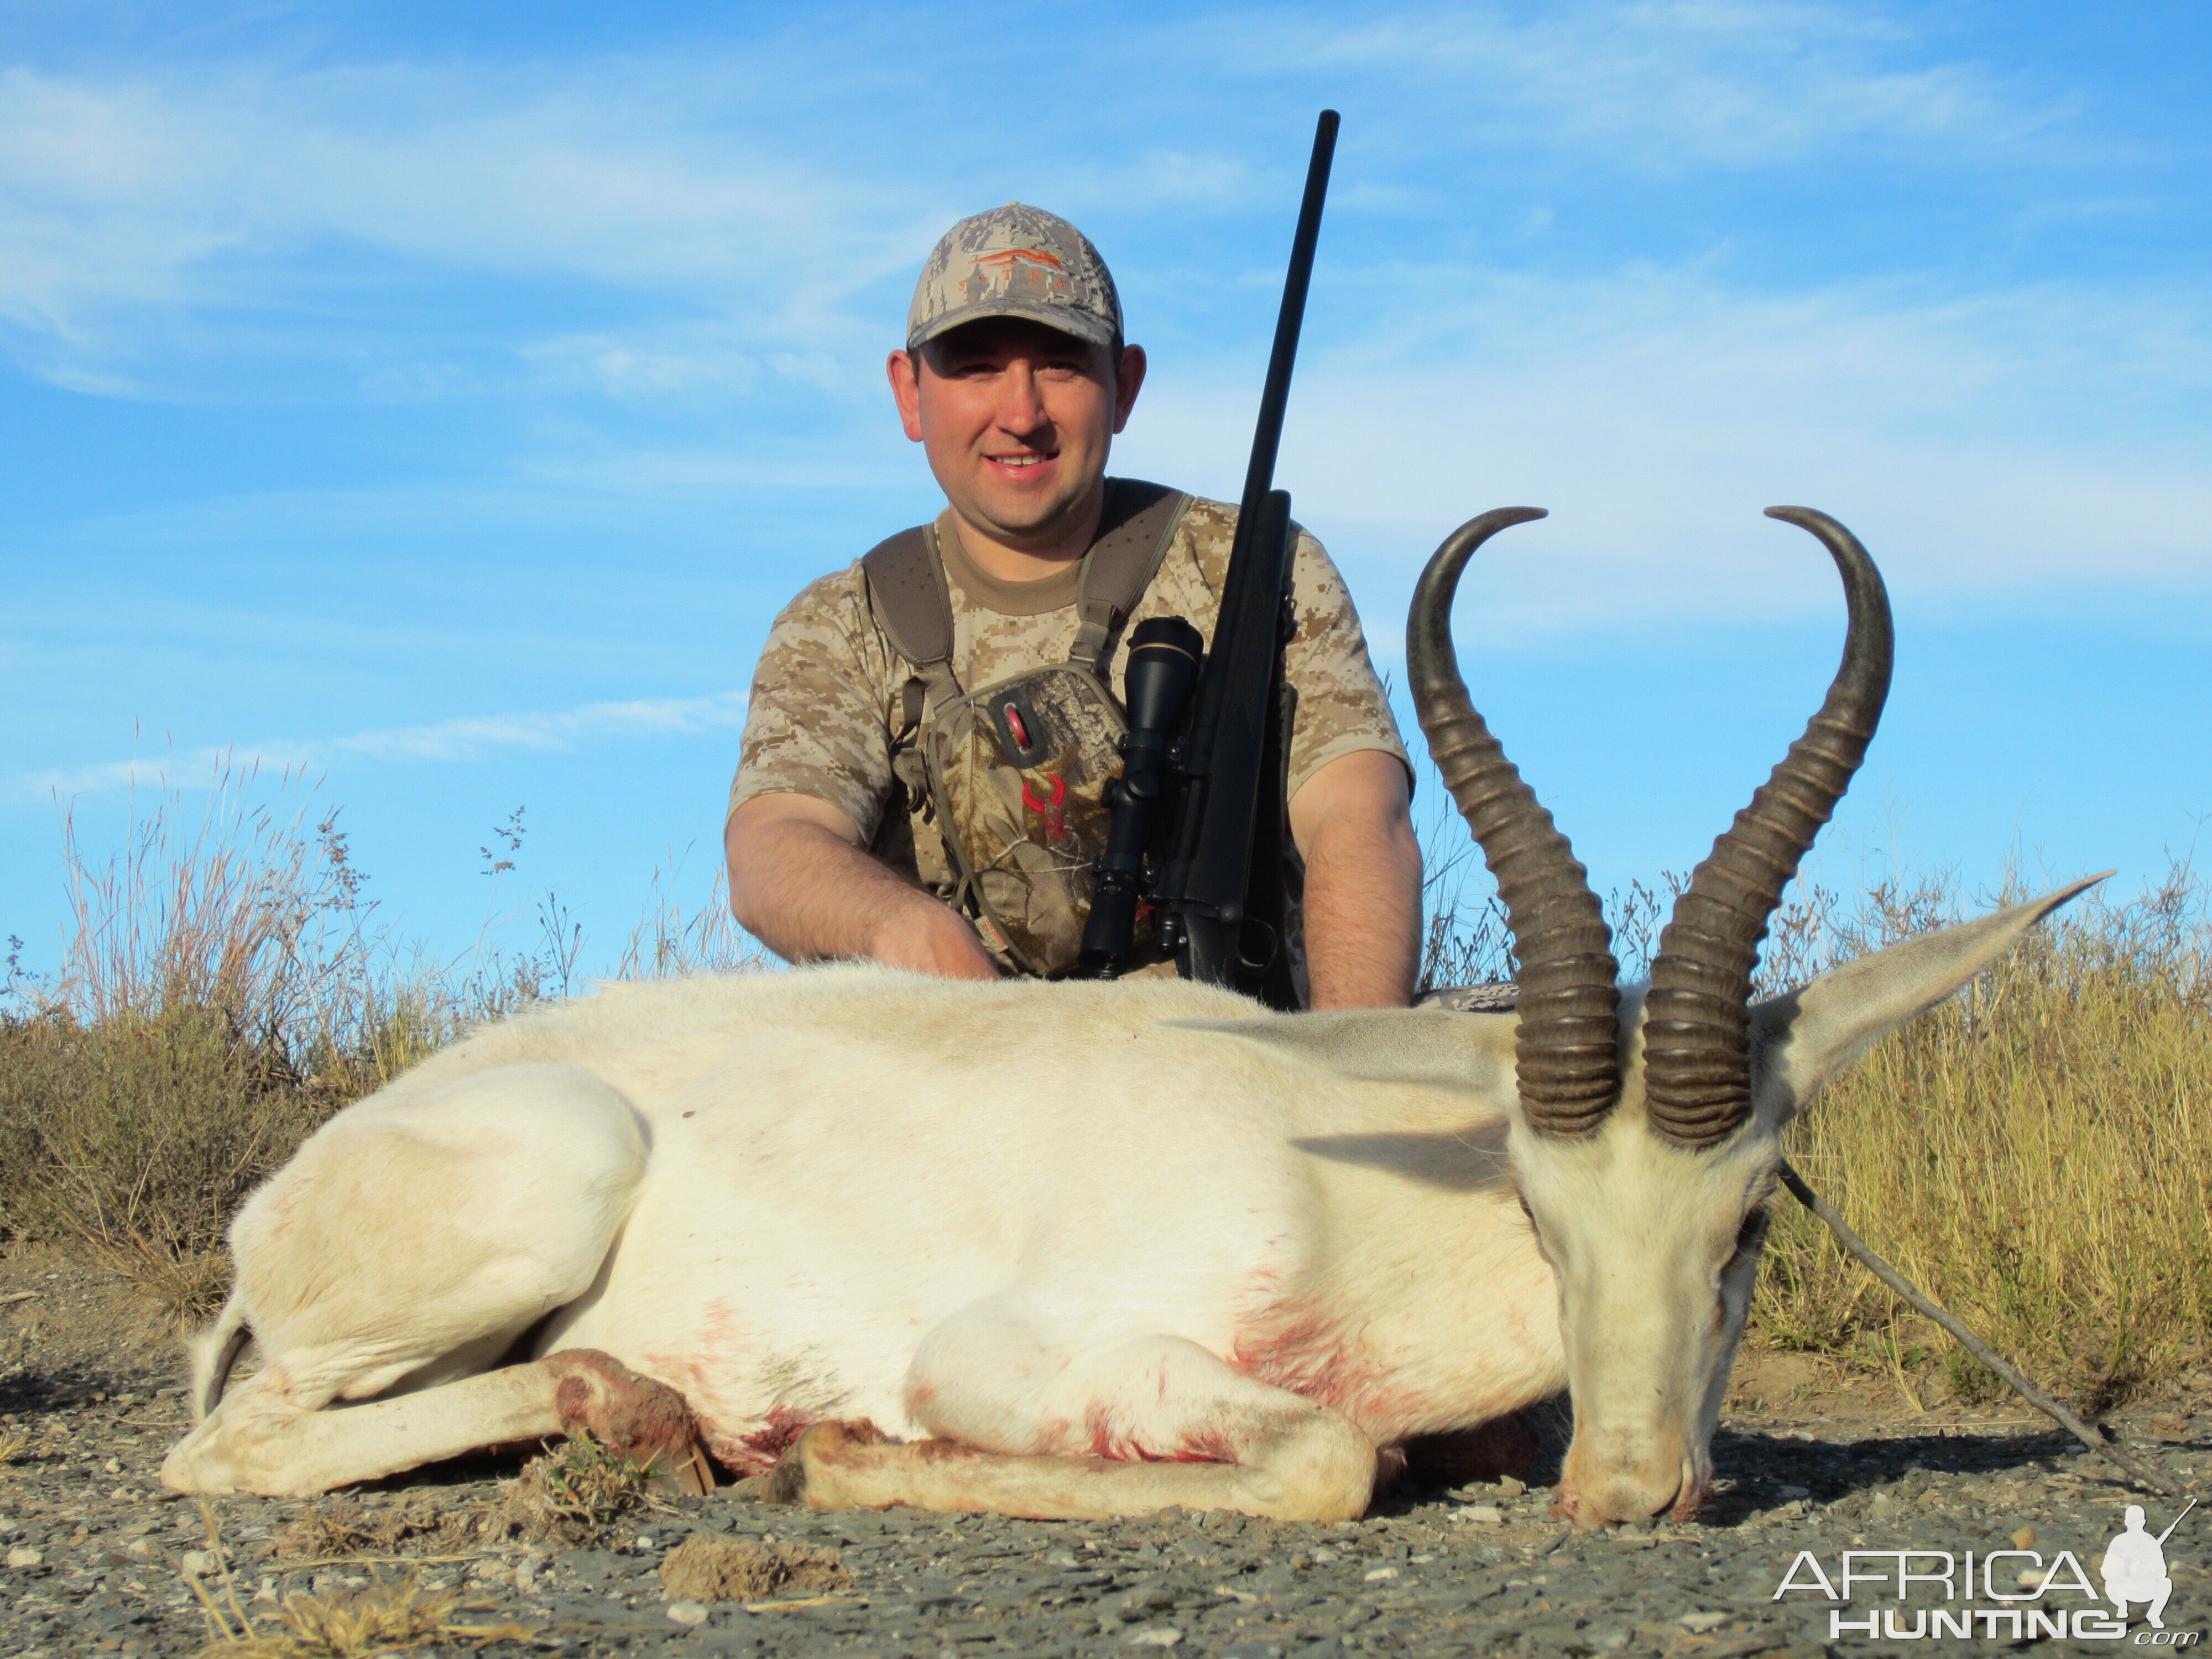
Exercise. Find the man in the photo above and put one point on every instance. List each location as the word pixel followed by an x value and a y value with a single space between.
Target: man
pixel 1014 380
pixel 2135 1569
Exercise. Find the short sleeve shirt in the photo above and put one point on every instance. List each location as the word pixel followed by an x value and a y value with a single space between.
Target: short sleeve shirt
pixel 829 695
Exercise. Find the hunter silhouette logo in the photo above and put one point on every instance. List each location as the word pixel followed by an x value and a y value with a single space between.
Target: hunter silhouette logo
pixel 2133 1567
pixel 2010 1596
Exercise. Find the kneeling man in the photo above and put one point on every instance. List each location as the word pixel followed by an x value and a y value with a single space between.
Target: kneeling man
pixel 1014 380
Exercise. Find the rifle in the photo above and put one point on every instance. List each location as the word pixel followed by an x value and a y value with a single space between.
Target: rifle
pixel 1220 888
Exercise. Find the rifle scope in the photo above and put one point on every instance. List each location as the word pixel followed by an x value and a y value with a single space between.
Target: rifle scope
pixel 1156 686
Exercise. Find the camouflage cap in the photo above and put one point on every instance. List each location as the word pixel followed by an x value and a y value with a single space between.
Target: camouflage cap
pixel 1015 261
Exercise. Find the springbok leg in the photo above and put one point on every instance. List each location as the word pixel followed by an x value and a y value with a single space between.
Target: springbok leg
pixel 260 1441
pixel 1030 1429
pixel 404 1250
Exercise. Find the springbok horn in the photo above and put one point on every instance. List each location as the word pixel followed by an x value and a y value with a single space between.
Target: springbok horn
pixel 1569 1067
pixel 1697 1020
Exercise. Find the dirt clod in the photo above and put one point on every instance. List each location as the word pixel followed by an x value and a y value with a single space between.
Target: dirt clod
pixel 704 1568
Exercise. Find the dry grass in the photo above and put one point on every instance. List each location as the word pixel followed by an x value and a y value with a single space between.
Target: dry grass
pixel 2037 1154
pixel 387 1616
pixel 340 1527
pixel 226 987
pixel 576 1494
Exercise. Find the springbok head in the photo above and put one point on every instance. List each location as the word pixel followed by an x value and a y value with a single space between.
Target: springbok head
pixel 1646 1134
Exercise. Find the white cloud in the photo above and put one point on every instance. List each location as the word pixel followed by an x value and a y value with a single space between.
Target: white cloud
pixel 767 180
pixel 214 189
pixel 2017 447
pixel 1660 85
pixel 463 740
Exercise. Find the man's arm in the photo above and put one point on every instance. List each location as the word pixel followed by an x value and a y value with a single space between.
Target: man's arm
pixel 801 883
pixel 1363 899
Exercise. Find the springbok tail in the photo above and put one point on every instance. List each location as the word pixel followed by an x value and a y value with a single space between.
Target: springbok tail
pixel 215 1351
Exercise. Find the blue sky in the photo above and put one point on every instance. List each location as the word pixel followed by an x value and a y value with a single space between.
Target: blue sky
pixel 441 401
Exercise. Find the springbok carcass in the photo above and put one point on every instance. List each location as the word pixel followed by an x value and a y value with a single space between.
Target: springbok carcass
pixel 1086 1250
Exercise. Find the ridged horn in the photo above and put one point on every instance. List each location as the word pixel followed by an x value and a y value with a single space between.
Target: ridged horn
pixel 1697 1060
pixel 1567 1059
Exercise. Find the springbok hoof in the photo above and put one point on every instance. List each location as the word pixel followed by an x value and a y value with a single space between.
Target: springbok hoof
pixel 809 1471
pixel 632 1416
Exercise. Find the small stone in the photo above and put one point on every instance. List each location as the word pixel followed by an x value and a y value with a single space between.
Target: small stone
pixel 112 1467
pixel 1511 1487
pixel 688 1613
pixel 1377 1575
pixel 20 1556
pixel 2024 1539
pixel 1698 1623
pixel 196 1563
pixel 1482 1514
pixel 1154 1635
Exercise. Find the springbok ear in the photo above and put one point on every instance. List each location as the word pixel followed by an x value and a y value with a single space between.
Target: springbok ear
pixel 1807 1037
pixel 1434 1047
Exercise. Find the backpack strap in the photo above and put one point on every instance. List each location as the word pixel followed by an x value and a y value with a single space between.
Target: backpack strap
pixel 1133 533
pixel 905 578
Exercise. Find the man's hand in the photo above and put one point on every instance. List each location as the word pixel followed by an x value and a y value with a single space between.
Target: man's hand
pixel 801 883
pixel 1363 899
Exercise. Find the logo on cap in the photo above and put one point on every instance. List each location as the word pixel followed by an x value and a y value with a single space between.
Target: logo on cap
pixel 1015 261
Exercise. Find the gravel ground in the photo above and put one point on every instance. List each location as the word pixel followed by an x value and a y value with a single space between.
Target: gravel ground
pixel 100 1560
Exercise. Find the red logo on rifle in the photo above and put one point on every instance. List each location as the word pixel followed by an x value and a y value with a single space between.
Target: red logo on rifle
pixel 1054 811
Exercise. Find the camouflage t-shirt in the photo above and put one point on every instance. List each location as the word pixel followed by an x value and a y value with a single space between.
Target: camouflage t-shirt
pixel 829 695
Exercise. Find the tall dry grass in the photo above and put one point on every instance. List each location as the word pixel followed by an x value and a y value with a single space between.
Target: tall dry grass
pixel 2037 1154
pixel 226 986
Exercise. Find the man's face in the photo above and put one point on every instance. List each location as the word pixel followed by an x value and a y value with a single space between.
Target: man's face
pixel 1016 419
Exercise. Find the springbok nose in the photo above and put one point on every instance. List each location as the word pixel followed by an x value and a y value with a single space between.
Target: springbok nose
pixel 1637 1485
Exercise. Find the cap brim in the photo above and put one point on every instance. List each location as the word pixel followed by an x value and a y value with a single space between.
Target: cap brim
pixel 1078 325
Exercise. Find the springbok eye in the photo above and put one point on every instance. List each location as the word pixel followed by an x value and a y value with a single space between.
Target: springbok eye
pixel 1535 1232
pixel 1751 1234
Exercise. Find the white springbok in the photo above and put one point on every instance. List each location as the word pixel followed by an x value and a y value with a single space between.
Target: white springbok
pixel 1082 1250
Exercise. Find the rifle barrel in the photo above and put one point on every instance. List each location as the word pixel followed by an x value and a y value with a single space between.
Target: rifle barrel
pixel 1214 682
pixel 1204 888
pixel 1275 396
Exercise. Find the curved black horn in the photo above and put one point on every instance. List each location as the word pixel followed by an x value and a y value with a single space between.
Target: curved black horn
pixel 1697 1063
pixel 1567 1059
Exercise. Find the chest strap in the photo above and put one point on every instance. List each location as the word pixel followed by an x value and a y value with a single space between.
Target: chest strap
pixel 908 594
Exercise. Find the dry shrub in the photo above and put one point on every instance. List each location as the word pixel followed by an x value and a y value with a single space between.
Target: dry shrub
pixel 219 998
pixel 2037 1154
pixel 705 1568
pixel 574 1494
pixel 226 988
